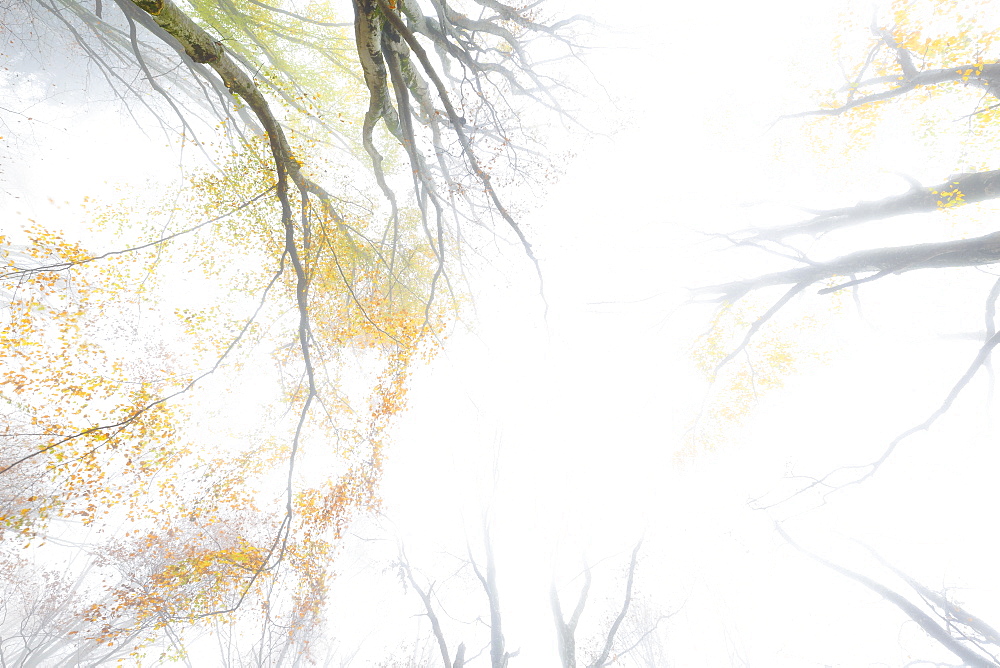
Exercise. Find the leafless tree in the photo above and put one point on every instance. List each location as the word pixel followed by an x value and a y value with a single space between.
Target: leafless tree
pixel 487 577
pixel 610 646
pixel 625 633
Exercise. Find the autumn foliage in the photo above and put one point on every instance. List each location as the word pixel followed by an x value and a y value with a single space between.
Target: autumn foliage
pixel 199 380
pixel 135 414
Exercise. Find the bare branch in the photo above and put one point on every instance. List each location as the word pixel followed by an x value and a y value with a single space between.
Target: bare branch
pixel 425 596
pixel 973 252
pixel 925 621
pixel 602 660
pixel 958 190
pixel 498 654
pixel 865 471
pixel 953 613
pixel 566 631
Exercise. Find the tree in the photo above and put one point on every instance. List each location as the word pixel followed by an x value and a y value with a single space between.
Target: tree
pixel 609 651
pixel 498 654
pixel 924 61
pixel 566 628
pixel 928 67
pixel 351 169
pixel 47 625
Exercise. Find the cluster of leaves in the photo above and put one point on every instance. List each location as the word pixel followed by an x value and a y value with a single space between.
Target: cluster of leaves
pixel 213 396
pixel 945 33
pixel 111 395
pixel 932 63
pixel 66 375
pixel 741 379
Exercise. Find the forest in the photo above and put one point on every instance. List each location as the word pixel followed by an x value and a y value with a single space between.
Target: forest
pixel 417 333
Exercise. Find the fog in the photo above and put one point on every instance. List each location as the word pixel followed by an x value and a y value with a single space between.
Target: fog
pixel 575 426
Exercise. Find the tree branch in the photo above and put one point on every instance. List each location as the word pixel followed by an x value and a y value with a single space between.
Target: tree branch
pixel 566 631
pixel 961 189
pixel 923 620
pixel 609 641
pixel 972 252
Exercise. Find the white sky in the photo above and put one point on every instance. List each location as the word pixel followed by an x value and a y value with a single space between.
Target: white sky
pixel 587 410
pixel 579 417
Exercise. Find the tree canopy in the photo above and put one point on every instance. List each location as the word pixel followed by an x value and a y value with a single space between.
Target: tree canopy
pixel 928 66
pixel 201 378
pixel 351 158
